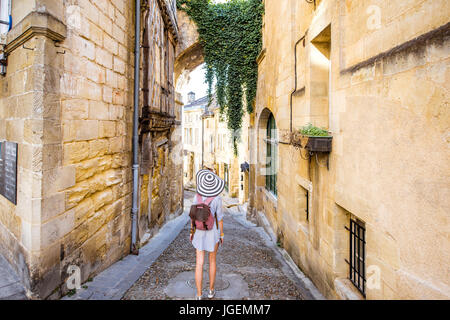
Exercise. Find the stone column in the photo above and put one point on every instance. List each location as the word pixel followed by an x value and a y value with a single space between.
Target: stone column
pixel 33 75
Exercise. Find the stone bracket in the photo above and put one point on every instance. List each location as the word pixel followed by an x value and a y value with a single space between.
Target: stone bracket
pixel 35 24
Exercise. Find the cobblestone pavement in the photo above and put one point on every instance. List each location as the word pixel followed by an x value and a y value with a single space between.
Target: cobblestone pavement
pixel 246 260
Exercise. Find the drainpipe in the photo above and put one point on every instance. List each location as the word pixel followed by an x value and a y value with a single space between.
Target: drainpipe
pixel 135 168
pixel 295 71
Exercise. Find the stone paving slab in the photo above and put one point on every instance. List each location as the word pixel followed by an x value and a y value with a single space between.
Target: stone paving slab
pixel 10 286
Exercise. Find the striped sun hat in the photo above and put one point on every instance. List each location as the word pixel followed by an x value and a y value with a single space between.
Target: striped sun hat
pixel 209 184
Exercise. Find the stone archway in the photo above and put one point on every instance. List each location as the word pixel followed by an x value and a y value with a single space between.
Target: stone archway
pixel 189 52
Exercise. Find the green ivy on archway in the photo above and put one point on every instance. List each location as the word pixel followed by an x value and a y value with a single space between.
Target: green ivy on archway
pixel 230 34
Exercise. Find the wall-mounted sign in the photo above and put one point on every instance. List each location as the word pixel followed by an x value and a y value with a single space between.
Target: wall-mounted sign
pixel 8 170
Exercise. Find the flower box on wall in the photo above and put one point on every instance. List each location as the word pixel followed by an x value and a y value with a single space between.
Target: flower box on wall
pixel 319 141
pixel 318 144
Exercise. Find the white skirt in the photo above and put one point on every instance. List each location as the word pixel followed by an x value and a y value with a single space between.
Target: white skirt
pixel 206 240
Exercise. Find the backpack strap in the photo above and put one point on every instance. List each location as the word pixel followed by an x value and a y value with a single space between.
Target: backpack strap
pixel 207 201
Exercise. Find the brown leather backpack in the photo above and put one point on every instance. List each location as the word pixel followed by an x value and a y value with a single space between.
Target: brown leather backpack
pixel 201 216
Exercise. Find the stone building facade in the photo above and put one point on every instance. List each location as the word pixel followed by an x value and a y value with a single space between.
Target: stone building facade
pixel 67 101
pixel 376 75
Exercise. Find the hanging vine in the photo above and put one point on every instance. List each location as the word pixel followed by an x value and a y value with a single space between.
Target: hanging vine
pixel 230 34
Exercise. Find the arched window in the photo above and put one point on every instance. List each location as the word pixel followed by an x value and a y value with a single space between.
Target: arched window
pixel 272 154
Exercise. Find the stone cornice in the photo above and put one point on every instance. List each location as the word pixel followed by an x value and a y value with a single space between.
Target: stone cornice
pixel 440 34
pixel 35 23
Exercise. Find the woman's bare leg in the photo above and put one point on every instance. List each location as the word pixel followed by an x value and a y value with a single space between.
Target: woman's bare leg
pixel 199 271
pixel 212 267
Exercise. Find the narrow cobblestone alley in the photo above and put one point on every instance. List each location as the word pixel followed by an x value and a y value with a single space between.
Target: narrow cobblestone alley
pixel 249 267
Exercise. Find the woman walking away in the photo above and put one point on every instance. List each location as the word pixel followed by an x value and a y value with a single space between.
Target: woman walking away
pixel 207 226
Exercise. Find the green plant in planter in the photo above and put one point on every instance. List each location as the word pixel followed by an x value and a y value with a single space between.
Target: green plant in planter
pixel 313 131
pixel 312 138
pixel 230 34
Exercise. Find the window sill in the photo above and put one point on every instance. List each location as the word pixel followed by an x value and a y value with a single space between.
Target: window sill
pixel 270 195
pixel 346 290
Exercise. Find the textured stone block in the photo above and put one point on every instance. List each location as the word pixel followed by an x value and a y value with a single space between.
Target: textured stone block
pixel 82 210
pixel 52 206
pixel 119 65
pixel 75 152
pixel 120 5
pixel 57 228
pixel 30 236
pixel 120 36
pixel 102 198
pixel 89 90
pixel 91 12
pixel 98 110
pixel 111 78
pixel 95 72
pixel 75 109
pixel 103 5
pixel 110 44
pixel 116 144
pixel 107 129
pixel 51 156
pixel 14 130
pixel 107 94
pixel 98 148
pixel 103 58
pixel 106 24
pixel 79 130
pixel 58 179
pixel 118 97
pixel 95 34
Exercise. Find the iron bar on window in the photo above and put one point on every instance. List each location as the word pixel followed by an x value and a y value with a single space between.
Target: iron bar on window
pixel 357 263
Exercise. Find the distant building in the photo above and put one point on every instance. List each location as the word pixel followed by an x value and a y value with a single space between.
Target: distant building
pixel 207 143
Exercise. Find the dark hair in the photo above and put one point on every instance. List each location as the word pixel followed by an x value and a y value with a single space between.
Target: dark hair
pixel 210 169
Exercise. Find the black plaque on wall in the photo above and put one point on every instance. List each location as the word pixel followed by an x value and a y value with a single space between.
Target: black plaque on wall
pixel 8 171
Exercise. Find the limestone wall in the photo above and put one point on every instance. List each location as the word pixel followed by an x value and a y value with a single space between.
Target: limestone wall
pixel 69 106
pixel 96 109
pixel 388 114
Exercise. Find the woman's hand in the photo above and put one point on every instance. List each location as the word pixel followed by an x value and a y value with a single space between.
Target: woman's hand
pixel 192 232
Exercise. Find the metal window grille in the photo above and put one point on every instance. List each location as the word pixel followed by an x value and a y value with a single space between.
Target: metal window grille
pixel 357 255
pixel 271 156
